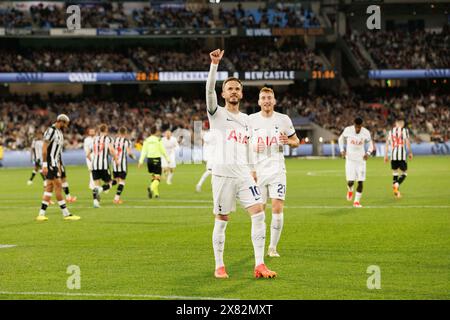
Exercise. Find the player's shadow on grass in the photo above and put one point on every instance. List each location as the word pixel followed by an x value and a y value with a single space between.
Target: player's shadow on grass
pixel 337 212
pixel 241 275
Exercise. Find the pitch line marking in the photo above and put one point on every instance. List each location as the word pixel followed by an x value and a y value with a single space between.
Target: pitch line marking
pixel 5 246
pixel 124 295
pixel 209 207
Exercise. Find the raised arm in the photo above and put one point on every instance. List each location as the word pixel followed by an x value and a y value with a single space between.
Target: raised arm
pixel 211 97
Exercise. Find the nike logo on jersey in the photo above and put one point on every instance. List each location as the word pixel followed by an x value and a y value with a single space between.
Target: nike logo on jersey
pixel 230 119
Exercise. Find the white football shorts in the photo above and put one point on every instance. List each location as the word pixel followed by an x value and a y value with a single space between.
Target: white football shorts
pixel 227 190
pixel 355 170
pixel 173 163
pixel 272 186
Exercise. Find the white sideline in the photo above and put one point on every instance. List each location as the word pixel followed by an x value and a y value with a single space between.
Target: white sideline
pixel 124 295
pixel 111 206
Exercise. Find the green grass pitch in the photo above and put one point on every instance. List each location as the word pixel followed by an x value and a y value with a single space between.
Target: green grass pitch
pixel 161 248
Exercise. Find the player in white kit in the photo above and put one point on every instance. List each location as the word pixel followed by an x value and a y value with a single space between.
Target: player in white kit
pixel 36 157
pixel 88 146
pixel 231 169
pixel 170 143
pixel 272 130
pixel 208 155
pixel 352 144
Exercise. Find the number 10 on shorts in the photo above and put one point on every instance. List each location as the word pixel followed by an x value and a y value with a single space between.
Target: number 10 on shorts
pixel 255 192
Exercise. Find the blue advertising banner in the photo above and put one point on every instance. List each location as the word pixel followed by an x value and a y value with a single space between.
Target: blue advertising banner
pixel 409 74
pixel 189 155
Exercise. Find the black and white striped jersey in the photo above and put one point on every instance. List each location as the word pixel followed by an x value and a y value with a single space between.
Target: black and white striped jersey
pixel 100 151
pixel 397 138
pixel 36 150
pixel 55 142
pixel 121 145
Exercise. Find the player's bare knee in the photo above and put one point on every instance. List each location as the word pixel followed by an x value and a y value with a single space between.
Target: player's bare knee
pixel 360 186
pixel 223 217
pixel 256 208
pixel 277 206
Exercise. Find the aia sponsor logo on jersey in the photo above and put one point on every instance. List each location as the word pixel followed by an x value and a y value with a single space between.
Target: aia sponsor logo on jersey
pixel 357 142
pixel 238 136
pixel 268 141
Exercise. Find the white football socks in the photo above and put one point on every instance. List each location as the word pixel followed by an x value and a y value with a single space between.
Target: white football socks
pixel 203 178
pixel 218 240
pixel 358 196
pixel 275 228
pixel 259 236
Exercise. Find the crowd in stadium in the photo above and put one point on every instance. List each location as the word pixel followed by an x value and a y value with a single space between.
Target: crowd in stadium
pixel 280 16
pixel 403 50
pixel 243 57
pixel 108 15
pixel 21 116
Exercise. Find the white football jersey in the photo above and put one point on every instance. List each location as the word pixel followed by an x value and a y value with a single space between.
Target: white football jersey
pixel 36 150
pixel 170 145
pixel 232 139
pixel 267 130
pixel 355 142
pixel 88 144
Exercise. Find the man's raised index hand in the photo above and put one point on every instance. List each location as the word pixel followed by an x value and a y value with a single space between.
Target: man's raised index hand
pixel 216 55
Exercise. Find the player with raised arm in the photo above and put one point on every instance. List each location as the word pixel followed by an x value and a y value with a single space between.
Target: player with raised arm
pixel 99 156
pixel 272 130
pixel 153 150
pixel 51 167
pixel 231 170
pixel 170 143
pixel 122 147
pixel 398 141
pixel 352 143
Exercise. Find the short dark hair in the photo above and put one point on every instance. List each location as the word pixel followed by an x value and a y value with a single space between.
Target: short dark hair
pixel 122 130
pixel 153 129
pixel 358 121
pixel 232 79
pixel 103 128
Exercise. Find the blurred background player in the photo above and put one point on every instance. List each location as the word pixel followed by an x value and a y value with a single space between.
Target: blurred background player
pixel 153 150
pixel 36 157
pixel 231 172
pixel 88 145
pixel 101 151
pixel 398 141
pixel 208 155
pixel 170 143
pixel 272 130
pixel 51 167
pixel 352 143
pixel 122 147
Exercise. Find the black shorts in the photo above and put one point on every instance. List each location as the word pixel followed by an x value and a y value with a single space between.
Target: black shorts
pixel 154 165
pixel 399 164
pixel 120 174
pixel 53 173
pixel 101 175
